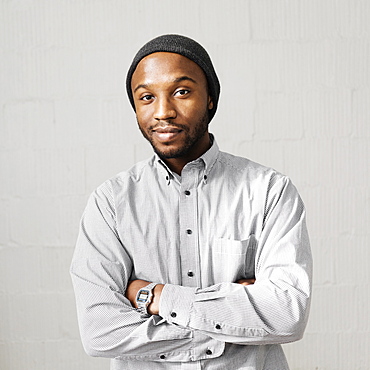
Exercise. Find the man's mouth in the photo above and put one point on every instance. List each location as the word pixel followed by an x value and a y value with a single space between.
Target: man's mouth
pixel 167 129
pixel 166 133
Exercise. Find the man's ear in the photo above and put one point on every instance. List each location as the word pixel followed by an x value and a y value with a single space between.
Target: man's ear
pixel 210 103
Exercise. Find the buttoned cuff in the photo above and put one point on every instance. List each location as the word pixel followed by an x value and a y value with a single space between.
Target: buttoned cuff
pixel 175 304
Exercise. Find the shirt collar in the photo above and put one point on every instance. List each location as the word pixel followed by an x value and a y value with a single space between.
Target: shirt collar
pixel 210 156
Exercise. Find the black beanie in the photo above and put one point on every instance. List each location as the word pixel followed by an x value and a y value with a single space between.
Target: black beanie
pixel 188 48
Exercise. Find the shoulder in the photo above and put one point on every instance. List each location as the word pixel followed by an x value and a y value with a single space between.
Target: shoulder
pixel 242 166
pixel 125 179
pixel 258 179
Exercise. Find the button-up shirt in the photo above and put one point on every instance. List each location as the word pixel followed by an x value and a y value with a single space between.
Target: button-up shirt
pixel 226 218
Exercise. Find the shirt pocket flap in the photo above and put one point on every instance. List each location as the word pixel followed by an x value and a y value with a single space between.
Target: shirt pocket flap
pixel 229 246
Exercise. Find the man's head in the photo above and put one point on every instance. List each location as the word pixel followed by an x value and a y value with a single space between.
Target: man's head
pixel 186 47
pixel 174 91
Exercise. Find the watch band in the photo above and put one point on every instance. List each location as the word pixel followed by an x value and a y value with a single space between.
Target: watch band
pixel 144 298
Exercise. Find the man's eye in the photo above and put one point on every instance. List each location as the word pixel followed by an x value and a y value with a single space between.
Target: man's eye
pixel 182 92
pixel 147 97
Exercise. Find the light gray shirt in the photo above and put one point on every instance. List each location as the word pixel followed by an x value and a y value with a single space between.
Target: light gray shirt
pixel 227 218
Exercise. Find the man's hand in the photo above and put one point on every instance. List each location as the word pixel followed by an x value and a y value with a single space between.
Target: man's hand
pixel 135 285
pixel 153 308
pixel 246 281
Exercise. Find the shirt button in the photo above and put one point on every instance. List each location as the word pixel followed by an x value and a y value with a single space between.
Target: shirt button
pixel 208 352
pixel 187 192
pixel 218 326
pixel 162 357
pixel 190 273
pixel 173 314
pixel 189 231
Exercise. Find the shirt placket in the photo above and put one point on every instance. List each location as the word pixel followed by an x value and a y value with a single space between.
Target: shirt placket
pixel 189 238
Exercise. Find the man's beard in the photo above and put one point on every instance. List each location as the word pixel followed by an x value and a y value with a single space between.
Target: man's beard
pixel 191 138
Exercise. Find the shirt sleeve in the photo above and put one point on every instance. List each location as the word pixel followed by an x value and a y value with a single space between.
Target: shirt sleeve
pixel 100 270
pixel 274 309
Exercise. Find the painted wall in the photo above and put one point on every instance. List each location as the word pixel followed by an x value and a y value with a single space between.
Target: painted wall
pixel 295 78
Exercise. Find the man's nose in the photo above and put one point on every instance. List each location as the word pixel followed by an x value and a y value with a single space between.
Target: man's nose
pixel 164 109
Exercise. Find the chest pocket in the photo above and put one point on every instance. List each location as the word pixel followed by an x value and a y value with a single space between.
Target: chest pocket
pixel 234 259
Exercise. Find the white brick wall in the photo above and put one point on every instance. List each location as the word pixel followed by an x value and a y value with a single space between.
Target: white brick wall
pixel 295 78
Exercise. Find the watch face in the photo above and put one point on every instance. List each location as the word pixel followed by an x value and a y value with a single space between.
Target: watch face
pixel 143 296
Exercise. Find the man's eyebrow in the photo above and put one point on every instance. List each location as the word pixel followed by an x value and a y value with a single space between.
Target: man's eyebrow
pixel 184 78
pixel 176 80
pixel 144 86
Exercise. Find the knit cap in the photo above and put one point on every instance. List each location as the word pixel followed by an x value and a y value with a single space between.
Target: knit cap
pixel 188 48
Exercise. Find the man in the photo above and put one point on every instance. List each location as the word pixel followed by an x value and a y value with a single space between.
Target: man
pixel 193 259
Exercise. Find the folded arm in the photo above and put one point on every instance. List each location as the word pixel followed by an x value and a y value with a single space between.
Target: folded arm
pixel 153 309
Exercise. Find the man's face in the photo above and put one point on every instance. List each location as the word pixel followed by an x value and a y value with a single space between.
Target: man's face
pixel 172 102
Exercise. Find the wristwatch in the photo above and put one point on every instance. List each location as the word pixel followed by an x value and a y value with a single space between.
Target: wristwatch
pixel 144 298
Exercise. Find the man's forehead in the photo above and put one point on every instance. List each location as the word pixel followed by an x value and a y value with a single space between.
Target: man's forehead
pixel 167 59
pixel 161 64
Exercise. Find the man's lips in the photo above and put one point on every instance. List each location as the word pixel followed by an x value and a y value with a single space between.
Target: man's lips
pixel 166 133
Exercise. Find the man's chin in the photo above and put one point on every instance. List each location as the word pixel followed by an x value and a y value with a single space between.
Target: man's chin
pixel 170 151
pixel 169 154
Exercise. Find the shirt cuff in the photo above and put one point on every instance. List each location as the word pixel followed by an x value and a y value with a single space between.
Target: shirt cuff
pixel 175 304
